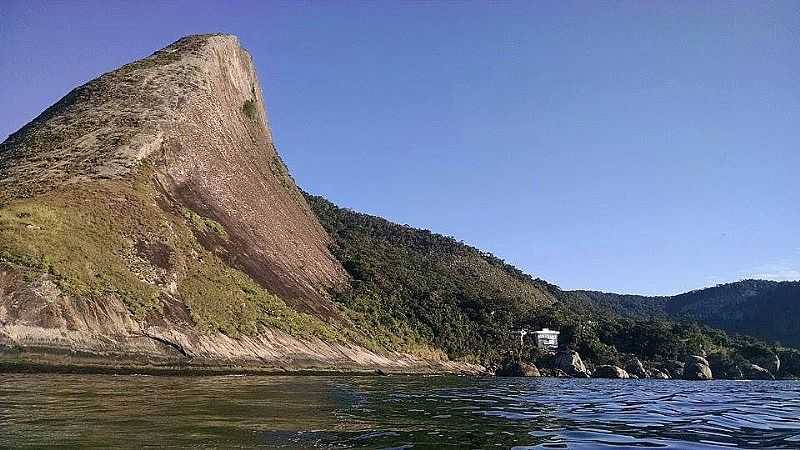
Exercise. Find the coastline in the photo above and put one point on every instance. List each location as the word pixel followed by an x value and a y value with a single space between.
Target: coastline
pixel 34 367
pixel 59 360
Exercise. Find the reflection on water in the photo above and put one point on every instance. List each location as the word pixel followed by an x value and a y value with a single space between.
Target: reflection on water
pixel 101 411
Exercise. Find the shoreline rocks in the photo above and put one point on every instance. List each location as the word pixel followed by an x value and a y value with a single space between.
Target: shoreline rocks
pixel 756 372
pixel 610 372
pixel 769 362
pixel 635 367
pixel 570 362
pixel 659 374
pixel 517 369
pixel 697 368
pixel 674 369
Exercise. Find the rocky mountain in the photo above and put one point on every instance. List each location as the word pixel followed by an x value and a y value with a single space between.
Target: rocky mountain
pixel 147 217
pixel 754 307
pixel 147 222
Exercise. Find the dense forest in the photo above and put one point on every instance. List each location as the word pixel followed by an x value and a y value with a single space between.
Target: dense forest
pixel 414 289
pixel 766 309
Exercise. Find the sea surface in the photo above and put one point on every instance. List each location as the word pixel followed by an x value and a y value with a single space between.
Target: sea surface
pixel 109 412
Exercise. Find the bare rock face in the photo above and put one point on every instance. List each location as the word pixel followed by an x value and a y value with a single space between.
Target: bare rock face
pixel 697 368
pixel 195 109
pixel 218 158
pixel 146 218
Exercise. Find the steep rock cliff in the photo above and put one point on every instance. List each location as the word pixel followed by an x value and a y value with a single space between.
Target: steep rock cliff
pixel 147 217
pixel 195 109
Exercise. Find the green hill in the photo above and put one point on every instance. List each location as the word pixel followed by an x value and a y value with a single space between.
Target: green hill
pixel 412 288
pixel 767 309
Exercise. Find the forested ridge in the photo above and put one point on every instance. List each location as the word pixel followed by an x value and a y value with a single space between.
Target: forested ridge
pixel 413 288
pixel 767 309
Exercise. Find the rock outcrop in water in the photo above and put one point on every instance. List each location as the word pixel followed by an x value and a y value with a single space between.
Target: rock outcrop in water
pixel 610 372
pixel 658 374
pixel 517 369
pixel 697 368
pixel 634 366
pixel 147 219
pixel 570 362
pixel 755 372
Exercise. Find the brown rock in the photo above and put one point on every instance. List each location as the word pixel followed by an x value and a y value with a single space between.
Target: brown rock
pixel 610 372
pixel 517 369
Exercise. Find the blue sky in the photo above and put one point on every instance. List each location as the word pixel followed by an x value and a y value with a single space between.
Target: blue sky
pixel 638 147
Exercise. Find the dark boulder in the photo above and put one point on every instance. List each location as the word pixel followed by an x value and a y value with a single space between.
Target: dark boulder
pixel 725 366
pixel 659 374
pixel 610 372
pixel 697 368
pixel 674 369
pixel 755 372
pixel 635 367
pixel 570 362
pixel 517 369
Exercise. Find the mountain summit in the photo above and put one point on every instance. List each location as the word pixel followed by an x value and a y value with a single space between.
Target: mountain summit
pixel 148 213
pixel 195 111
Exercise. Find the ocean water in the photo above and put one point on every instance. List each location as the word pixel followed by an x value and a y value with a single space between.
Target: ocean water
pixel 109 412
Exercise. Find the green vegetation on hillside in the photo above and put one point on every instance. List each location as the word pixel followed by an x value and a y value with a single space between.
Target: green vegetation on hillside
pixel 414 287
pixel 249 110
pixel 754 307
pixel 121 238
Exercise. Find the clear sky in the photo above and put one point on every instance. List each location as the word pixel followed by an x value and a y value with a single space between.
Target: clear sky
pixel 638 147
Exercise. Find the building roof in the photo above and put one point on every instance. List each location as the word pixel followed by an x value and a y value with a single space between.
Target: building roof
pixel 547 331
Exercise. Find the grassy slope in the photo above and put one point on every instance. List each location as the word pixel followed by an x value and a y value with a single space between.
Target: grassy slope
pixel 123 238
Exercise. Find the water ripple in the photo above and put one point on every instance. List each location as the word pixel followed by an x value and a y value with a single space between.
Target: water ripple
pixel 393 412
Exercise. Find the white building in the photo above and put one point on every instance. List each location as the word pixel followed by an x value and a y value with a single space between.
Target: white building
pixel 546 339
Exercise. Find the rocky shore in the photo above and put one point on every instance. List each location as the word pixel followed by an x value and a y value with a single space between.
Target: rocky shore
pixel 568 363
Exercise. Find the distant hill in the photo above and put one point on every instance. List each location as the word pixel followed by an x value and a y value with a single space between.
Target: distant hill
pixel 633 306
pixel 767 309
